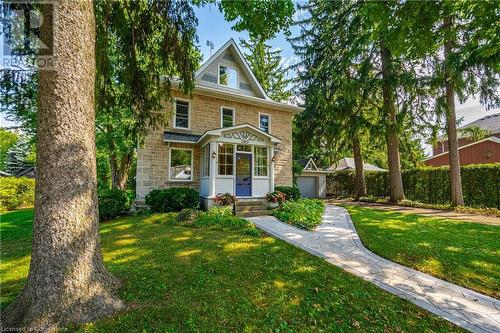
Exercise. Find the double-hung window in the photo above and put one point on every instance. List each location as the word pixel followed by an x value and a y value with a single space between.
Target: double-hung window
pixel 227 117
pixel 225 152
pixel 181 114
pixel 264 122
pixel 261 161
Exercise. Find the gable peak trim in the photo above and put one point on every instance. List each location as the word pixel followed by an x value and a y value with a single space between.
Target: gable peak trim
pixel 242 60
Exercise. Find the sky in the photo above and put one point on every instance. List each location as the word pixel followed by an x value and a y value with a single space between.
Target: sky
pixel 212 27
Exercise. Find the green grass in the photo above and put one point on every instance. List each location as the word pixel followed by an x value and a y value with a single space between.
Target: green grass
pixel 303 213
pixel 464 253
pixel 179 279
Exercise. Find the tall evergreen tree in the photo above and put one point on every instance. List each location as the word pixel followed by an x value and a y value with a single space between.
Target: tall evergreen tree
pixel 67 280
pixel 461 39
pixel 365 35
pixel 335 83
pixel 267 66
pixel 8 139
pixel 16 159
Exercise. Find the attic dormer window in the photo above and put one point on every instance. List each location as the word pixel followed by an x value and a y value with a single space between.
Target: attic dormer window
pixel 228 76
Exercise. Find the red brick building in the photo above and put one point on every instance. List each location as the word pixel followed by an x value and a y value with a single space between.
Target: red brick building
pixel 482 151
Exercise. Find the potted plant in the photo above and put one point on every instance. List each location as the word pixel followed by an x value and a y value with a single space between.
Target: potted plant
pixel 274 199
pixel 225 199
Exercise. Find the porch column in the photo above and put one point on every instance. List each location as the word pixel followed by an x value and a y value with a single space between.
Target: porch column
pixel 271 169
pixel 213 165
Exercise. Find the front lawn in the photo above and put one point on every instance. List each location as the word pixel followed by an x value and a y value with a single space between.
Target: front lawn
pixel 464 253
pixel 190 279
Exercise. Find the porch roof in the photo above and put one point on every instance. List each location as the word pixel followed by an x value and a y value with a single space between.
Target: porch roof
pixel 180 137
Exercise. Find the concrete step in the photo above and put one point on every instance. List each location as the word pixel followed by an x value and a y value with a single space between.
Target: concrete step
pixel 253 213
pixel 250 202
pixel 250 208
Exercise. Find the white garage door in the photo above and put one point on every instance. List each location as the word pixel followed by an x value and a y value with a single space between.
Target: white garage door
pixel 308 186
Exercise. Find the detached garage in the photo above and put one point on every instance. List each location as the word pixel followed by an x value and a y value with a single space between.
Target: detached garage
pixel 312 181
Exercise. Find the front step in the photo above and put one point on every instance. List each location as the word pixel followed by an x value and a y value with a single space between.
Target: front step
pixel 251 207
pixel 245 209
pixel 253 213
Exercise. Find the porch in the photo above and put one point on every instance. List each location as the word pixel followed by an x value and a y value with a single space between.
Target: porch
pixel 237 160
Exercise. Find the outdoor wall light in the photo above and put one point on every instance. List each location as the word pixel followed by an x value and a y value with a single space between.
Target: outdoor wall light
pixel 276 151
pixel 214 155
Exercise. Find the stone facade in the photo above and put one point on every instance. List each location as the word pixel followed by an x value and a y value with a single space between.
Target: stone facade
pixel 205 114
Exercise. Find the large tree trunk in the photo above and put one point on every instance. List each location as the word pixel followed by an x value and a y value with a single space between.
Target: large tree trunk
pixel 457 197
pixel 67 281
pixel 395 178
pixel 120 171
pixel 358 164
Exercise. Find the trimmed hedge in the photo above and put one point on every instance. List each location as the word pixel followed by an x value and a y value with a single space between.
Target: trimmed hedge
pixel 290 192
pixel 173 199
pixel 480 185
pixel 16 192
pixel 112 203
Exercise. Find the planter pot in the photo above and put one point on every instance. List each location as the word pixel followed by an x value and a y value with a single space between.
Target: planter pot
pixel 272 205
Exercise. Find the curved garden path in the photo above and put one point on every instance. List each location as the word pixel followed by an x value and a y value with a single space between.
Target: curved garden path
pixel 337 241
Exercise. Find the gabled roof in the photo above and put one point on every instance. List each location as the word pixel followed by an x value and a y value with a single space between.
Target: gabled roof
pixel 491 138
pixel 310 167
pixel 307 164
pixel 347 163
pixel 219 131
pixel 240 58
pixel 490 123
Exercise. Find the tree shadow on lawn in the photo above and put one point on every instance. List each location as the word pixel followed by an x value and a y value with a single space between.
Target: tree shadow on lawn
pixel 463 253
pixel 183 279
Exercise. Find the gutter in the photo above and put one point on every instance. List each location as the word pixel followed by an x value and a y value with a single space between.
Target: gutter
pixel 206 90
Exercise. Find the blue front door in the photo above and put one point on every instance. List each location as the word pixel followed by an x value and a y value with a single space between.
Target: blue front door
pixel 243 175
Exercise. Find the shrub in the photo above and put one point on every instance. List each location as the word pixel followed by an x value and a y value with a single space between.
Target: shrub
pixel 303 213
pixel 188 215
pixel 276 196
pixel 173 199
pixel 112 203
pixel 163 218
pixel 16 192
pixel 222 218
pixel 428 185
pixel 290 192
pixel 225 199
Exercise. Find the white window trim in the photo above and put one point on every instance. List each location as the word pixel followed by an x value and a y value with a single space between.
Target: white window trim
pixel 170 166
pixel 218 175
pixel 201 160
pixel 254 164
pixel 175 113
pixel 222 114
pixel 237 76
pixel 269 121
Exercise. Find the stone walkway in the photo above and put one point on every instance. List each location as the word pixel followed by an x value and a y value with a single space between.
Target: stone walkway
pixel 337 241
pixel 445 214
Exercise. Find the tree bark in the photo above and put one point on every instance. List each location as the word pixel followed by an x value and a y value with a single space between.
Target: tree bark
pixel 67 281
pixel 119 171
pixel 457 197
pixel 395 178
pixel 358 164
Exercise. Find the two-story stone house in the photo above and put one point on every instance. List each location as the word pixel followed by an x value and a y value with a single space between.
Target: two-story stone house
pixel 228 137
